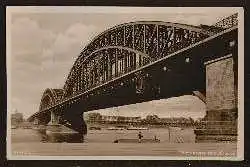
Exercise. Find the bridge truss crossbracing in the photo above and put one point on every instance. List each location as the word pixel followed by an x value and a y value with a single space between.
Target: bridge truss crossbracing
pixel 125 48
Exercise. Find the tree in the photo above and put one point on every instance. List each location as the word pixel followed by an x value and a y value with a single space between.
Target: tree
pixel 191 120
pixel 152 119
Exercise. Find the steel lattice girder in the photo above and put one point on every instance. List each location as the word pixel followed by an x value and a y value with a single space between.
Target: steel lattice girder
pixel 152 40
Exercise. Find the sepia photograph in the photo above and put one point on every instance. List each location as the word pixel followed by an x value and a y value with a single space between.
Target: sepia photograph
pixel 126 83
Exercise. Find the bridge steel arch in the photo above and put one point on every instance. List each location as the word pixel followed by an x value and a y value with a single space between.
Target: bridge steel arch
pixel 126 47
pixel 50 97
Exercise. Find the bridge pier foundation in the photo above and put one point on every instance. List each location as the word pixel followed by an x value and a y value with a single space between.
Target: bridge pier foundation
pixel 57 132
pixel 77 123
pixel 220 122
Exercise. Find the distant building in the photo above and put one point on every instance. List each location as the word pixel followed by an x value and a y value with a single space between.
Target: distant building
pixel 150 119
pixel 16 118
pixel 176 121
pixel 92 117
pixel 120 119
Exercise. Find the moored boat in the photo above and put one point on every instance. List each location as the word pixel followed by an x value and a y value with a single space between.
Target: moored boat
pixel 95 128
pixel 137 141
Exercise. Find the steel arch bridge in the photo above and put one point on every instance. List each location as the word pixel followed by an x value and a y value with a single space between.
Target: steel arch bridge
pixel 50 97
pixel 127 47
pixel 123 51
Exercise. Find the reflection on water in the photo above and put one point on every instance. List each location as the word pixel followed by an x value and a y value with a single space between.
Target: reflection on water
pixel 27 135
pixel 39 135
pixel 104 136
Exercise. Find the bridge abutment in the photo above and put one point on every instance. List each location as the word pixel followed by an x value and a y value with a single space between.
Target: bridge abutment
pixel 220 122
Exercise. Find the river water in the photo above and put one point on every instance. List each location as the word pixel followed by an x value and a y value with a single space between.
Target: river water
pixel 108 136
pixel 179 142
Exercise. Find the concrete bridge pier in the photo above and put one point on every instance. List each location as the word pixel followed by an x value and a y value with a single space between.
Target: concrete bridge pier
pixel 220 122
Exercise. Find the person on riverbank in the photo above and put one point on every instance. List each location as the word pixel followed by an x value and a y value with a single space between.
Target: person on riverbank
pixel 140 136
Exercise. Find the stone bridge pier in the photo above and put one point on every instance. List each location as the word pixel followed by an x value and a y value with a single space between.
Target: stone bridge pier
pixel 220 122
pixel 54 118
pixel 69 129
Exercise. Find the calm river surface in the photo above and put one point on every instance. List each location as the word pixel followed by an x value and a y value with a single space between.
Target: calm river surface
pixel 179 142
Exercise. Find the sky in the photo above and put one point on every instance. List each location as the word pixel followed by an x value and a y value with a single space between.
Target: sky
pixel 44 45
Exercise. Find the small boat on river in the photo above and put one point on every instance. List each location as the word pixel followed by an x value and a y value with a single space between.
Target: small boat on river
pixel 137 141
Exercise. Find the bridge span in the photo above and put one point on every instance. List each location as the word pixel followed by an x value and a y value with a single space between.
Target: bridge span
pixel 142 61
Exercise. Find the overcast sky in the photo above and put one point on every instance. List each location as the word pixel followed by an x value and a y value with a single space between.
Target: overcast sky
pixel 44 46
